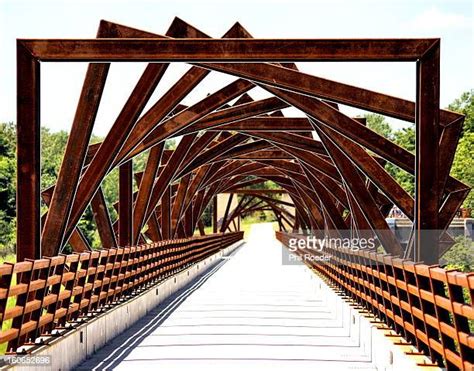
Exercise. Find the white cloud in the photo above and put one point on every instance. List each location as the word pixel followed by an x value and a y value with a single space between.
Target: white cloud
pixel 435 19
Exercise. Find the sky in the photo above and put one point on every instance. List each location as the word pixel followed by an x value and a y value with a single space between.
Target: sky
pixel 451 20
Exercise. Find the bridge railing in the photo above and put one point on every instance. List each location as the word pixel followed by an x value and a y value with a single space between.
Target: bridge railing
pixel 429 306
pixel 39 296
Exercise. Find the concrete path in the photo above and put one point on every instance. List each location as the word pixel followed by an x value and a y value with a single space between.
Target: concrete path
pixel 250 313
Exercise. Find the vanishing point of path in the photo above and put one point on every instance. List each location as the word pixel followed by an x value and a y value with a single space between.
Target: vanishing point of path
pixel 249 313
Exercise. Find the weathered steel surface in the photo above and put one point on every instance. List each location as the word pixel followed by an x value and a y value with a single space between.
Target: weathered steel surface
pixel 231 143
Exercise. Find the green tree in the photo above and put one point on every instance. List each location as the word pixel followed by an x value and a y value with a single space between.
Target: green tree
pixel 461 255
pixel 463 165
pixel 7 188
pixel 465 105
pixel 7 170
pixel 405 138
pixel 378 124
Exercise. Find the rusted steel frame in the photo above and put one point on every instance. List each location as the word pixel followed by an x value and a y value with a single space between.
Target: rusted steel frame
pixel 357 216
pixel 356 187
pixel 271 124
pixel 274 154
pixel 154 228
pixel 317 163
pixel 169 172
pixel 327 201
pixel 231 50
pixel 213 153
pixel 198 207
pixel 296 176
pixel 316 217
pixel 187 222
pixel 250 169
pixel 201 228
pixel 426 223
pixel 225 118
pixel 201 202
pixel 226 213
pixel 178 203
pixel 166 104
pixel 202 143
pixel 329 116
pixel 166 213
pixel 197 180
pixel 102 220
pixel 240 190
pixel 249 208
pixel 290 167
pixel 348 127
pixel 295 81
pixel 280 225
pixel 78 241
pixel 291 140
pixel 214 167
pixel 244 201
pixel 28 195
pixel 451 204
pixel 230 169
pixel 282 212
pixel 73 159
pixel 245 183
pixel 186 118
pixel 158 112
pixel 373 170
pixel 103 160
pixel 232 181
pixel 247 148
pixel 214 214
pixel 125 221
pixel 267 198
pixel 145 188
pixel 302 214
pixel 151 130
pixel 449 137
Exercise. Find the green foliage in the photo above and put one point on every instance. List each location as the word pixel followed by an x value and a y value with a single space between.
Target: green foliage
pixel 461 255
pixel 52 153
pixel 465 105
pixel 7 170
pixel 7 188
pixel 378 124
pixel 463 165
pixel 404 138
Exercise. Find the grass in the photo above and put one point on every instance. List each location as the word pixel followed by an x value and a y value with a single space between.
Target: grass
pixel 10 258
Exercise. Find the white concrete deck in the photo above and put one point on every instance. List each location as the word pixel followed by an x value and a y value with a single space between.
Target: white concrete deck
pixel 251 313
